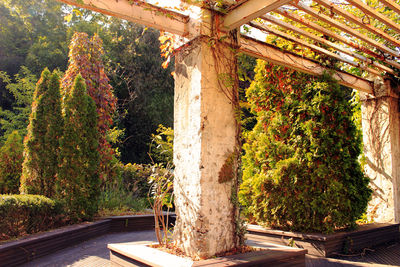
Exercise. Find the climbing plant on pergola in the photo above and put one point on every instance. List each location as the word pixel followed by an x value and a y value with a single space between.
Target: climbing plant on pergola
pixel 206 131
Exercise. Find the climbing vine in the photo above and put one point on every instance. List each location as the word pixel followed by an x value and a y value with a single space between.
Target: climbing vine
pixel 85 58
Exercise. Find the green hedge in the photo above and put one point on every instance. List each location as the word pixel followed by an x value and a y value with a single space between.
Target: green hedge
pixel 27 214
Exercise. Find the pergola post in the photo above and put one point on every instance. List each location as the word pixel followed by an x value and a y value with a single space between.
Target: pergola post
pixel 381 136
pixel 204 144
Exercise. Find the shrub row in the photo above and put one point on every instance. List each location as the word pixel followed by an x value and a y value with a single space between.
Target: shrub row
pixel 27 214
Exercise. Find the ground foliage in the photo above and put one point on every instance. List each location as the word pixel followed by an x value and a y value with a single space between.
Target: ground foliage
pixel 301 169
pixel 41 153
pixel 135 177
pixel 11 157
pixel 85 58
pixel 78 179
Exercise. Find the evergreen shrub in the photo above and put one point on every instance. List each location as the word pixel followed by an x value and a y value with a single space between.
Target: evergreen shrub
pixel 300 168
pixel 11 157
pixel 27 214
pixel 78 178
pixel 41 152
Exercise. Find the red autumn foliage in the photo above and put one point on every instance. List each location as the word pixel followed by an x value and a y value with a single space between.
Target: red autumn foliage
pixel 85 57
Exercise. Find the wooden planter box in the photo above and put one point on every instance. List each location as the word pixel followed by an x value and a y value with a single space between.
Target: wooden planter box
pixel 142 255
pixel 366 236
pixel 136 223
pixel 20 251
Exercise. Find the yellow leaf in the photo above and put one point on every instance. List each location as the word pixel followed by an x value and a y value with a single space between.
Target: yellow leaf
pixel 162 38
pixel 68 17
pixel 165 63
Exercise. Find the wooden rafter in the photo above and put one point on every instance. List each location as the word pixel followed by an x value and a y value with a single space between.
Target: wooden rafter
pixel 340 38
pixel 347 29
pixel 250 10
pixel 326 42
pixel 358 21
pixel 375 14
pixel 274 55
pixel 392 5
pixel 311 46
pixel 138 12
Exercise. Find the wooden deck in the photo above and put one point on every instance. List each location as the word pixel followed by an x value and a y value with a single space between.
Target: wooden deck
pixel 94 252
pixel 86 245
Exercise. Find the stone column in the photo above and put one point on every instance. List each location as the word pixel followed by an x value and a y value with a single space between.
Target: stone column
pixel 205 139
pixel 381 133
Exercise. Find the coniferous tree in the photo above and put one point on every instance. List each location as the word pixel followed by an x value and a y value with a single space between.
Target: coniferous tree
pixel 11 157
pixel 301 169
pixel 45 128
pixel 85 58
pixel 78 183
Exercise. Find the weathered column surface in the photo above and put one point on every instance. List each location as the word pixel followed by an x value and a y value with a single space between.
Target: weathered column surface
pixel 381 133
pixel 205 138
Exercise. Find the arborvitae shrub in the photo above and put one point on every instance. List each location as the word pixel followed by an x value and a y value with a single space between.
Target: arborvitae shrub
pixel 301 169
pixel 11 157
pixel 85 58
pixel 45 128
pixel 78 183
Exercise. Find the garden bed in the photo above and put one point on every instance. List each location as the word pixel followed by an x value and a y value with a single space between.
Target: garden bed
pixel 14 253
pixel 366 236
pixel 142 255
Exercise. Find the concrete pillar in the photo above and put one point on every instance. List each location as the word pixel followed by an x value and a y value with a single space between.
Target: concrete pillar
pixel 381 133
pixel 205 139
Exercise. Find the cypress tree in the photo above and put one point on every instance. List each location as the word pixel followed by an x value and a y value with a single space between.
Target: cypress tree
pixel 85 58
pixel 78 183
pixel 301 169
pixel 45 128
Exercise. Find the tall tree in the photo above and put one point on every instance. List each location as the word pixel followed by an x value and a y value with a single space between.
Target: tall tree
pixel 85 58
pixel 144 89
pixel 42 141
pixel 21 89
pixel 78 178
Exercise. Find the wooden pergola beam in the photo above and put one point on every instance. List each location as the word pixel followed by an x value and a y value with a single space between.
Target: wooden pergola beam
pixel 322 30
pixel 358 21
pixel 250 10
pixel 261 50
pixel 311 46
pixel 347 29
pixel 375 14
pixel 138 12
pixel 328 43
pixel 392 5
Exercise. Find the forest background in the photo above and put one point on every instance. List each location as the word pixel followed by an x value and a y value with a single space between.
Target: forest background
pixel 35 34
